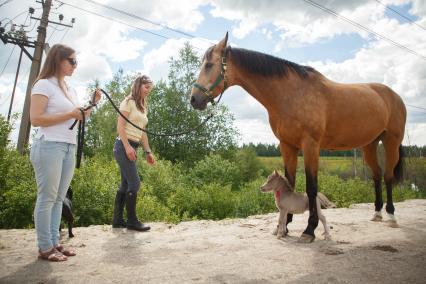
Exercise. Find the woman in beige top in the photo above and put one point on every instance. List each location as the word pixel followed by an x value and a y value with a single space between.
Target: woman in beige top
pixel 134 108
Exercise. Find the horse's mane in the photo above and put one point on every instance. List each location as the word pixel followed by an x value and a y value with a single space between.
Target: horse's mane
pixel 267 65
pixel 264 64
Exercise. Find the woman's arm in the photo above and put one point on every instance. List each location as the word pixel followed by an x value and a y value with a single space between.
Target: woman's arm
pixel 149 157
pixel 39 117
pixel 121 123
pixel 145 144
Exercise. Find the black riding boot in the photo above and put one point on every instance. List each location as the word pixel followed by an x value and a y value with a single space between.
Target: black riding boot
pixel 118 221
pixel 132 221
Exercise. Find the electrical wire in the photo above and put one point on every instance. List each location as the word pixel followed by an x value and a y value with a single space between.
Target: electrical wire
pixel 8 59
pixel 5 2
pixel 400 14
pixel 358 25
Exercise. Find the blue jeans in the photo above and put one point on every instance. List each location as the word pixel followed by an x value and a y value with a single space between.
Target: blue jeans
pixel 53 164
pixel 130 181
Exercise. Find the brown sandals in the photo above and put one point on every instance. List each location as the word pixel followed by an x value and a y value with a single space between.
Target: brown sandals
pixel 65 251
pixel 52 255
pixel 58 253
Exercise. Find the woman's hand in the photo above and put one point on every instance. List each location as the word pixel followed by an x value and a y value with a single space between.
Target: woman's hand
pixel 76 113
pixel 130 153
pixel 150 159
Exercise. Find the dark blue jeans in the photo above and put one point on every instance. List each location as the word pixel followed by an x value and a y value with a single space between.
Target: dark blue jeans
pixel 130 181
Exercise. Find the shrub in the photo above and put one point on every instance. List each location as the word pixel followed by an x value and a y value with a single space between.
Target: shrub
pixel 94 186
pixel 250 200
pixel 215 169
pixel 18 195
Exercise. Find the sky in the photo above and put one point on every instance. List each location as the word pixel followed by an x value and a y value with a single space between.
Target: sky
pixel 390 49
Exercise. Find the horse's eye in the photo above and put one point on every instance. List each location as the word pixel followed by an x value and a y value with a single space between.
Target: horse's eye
pixel 209 65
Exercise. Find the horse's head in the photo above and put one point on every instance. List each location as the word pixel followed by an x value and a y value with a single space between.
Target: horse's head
pixel 212 78
pixel 276 182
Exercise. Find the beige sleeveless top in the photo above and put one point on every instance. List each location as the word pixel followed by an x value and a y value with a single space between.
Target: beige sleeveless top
pixel 136 116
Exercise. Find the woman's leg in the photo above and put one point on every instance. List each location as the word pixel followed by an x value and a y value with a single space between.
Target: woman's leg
pixel 67 156
pixel 130 174
pixel 118 221
pixel 47 168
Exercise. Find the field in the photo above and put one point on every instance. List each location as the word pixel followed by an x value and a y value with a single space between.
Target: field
pixel 348 167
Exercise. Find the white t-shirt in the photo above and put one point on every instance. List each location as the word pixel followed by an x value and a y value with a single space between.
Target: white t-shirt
pixel 57 103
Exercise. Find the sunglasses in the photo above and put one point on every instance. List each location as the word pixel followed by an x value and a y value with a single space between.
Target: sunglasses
pixel 72 61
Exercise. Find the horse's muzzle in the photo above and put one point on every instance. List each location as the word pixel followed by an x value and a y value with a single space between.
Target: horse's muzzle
pixel 199 101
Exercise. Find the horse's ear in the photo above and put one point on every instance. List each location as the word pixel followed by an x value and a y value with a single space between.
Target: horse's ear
pixel 222 44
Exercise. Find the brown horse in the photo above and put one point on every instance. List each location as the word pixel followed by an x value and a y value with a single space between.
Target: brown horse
pixel 309 112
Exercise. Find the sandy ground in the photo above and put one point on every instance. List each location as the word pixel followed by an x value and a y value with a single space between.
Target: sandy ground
pixel 233 251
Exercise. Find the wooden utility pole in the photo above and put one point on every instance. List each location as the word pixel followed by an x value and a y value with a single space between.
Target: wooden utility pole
pixel 24 130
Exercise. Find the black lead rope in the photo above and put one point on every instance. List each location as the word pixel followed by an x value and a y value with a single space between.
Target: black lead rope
pixel 80 139
pixel 150 132
pixel 82 124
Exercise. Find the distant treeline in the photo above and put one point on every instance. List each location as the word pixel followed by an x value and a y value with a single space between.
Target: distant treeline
pixel 272 150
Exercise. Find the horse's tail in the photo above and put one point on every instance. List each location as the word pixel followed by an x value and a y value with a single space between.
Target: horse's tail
pixel 398 171
pixel 325 203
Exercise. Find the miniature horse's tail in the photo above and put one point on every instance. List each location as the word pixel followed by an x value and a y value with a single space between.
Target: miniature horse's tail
pixel 325 203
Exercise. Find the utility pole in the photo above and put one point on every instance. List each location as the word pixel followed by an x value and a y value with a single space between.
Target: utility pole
pixel 14 86
pixel 24 130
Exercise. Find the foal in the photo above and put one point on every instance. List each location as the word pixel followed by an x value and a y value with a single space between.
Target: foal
pixel 289 201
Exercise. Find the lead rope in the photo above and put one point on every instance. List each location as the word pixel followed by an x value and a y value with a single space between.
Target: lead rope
pixel 154 133
pixel 82 124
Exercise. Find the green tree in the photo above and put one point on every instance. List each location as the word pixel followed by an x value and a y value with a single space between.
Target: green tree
pixel 169 111
pixel 101 128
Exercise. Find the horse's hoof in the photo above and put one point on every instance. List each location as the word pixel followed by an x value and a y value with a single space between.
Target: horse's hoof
pixel 392 221
pixel 392 224
pixel 305 238
pixel 377 217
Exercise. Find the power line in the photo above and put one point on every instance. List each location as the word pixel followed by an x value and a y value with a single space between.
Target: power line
pixel 5 2
pixel 112 19
pixel 7 62
pixel 140 18
pixel 330 11
pixel 400 14
pixel 416 107
pixel 62 38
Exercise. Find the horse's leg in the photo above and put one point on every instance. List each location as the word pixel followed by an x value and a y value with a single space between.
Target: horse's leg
pixel 370 157
pixel 392 157
pixel 323 220
pixel 311 151
pixel 289 154
pixel 282 219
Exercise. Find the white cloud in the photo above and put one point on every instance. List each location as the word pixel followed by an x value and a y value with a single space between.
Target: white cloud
pixel 155 62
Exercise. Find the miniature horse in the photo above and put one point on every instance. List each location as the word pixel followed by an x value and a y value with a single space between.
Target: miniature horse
pixel 309 112
pixel 288 200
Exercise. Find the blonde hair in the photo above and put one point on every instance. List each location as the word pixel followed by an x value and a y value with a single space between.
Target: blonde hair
pixel 56 55
pixel 136 94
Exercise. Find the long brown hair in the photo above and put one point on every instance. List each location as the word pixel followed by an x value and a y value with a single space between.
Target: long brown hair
pixel 51 65
pixel 136 94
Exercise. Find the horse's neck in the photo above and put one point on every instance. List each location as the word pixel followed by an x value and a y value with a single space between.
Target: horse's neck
pixel 263 89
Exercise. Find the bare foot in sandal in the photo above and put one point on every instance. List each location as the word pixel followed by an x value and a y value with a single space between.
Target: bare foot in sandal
pixel 52 255
pixel 65 251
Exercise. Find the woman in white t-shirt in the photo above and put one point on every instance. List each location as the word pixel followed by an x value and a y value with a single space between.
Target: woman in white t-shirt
pixel 134 108
pixel 54 107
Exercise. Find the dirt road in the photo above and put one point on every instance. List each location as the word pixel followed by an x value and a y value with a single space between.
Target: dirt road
pixel 233 251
